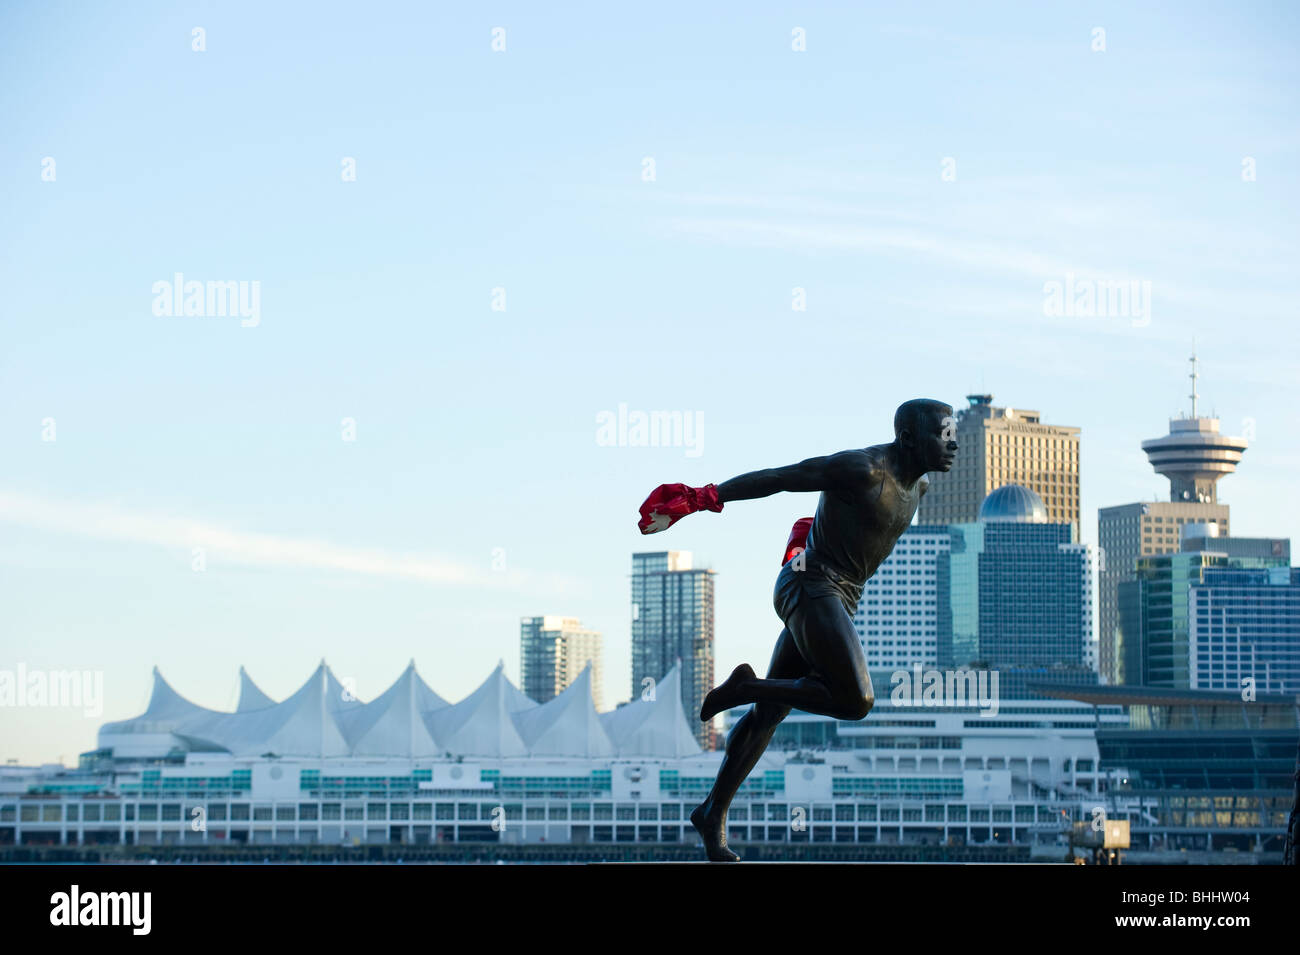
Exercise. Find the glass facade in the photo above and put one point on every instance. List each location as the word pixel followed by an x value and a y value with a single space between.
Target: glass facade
pixel 1014 595
pixel 1207 776
pixel 1155 617
pixel 1244 630
pixel 672 621
pixel 1125 534
pixel 1197 770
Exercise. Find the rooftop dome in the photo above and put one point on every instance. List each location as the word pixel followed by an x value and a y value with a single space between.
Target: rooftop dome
pixel 1014 502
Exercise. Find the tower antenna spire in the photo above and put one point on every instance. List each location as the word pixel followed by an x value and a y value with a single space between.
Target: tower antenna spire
pixel 1194 455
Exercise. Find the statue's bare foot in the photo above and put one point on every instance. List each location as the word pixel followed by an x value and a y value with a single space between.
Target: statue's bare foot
pixel 727 694
pixel 714 834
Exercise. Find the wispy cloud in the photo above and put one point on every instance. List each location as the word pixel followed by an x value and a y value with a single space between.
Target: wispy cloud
pixel 979 256
pixel 224 543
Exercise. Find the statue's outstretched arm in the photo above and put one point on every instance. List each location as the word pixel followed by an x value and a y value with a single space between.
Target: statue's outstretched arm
pixel 828 473
pixel 669 503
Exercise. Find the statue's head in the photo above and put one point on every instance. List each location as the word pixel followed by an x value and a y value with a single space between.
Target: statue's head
pixel 926 432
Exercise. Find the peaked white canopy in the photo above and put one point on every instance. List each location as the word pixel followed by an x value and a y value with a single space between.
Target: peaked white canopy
pixel 655 727
pixel 167 710
pixel 324 718
pixel 303 725
pixel 482 724
pixel 567 725
pixel 250 695
pixel 154 732
pixel 392 724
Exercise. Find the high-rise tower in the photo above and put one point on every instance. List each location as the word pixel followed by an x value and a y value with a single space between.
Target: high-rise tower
pixel 553 651
pixel 1193 455
pixel 672 621
pixel 1014 592
pixel 1002 446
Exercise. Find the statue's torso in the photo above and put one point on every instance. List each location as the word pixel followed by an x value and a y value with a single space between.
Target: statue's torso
pixel 855 529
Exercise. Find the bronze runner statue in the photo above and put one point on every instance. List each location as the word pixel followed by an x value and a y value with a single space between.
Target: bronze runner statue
pixel 868 498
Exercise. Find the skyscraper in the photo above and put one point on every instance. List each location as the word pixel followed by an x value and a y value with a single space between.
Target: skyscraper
pixel 1194 456
pixel 1159 610
pixel 552 652
pixel 672 620
pixel 1005 446
pixel 1015 593
pixel 1126 533
pixel 1245 624
pixel 897 618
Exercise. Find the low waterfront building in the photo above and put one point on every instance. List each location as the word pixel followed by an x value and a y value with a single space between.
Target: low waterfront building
pixel 408 768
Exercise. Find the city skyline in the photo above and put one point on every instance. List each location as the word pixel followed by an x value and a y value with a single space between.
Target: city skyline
pixel 375 470
pixel 292 679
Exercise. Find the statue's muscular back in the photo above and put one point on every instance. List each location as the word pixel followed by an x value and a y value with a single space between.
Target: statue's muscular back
pixel 856 525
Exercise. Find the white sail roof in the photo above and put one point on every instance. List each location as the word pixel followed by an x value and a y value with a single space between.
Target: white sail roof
pixel 337 696
pixel 567 725
pixel 654 727
pixel 392 724
pixel 428 700
pixel 305 724
pixel 481 724
pixel 167 710
pixel 250 695
pixel 324 718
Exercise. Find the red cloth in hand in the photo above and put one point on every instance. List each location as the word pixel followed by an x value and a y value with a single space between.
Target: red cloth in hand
pixel 798 541
pixel 669 503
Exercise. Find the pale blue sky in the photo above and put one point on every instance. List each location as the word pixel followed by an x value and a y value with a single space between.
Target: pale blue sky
pixel 476 429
